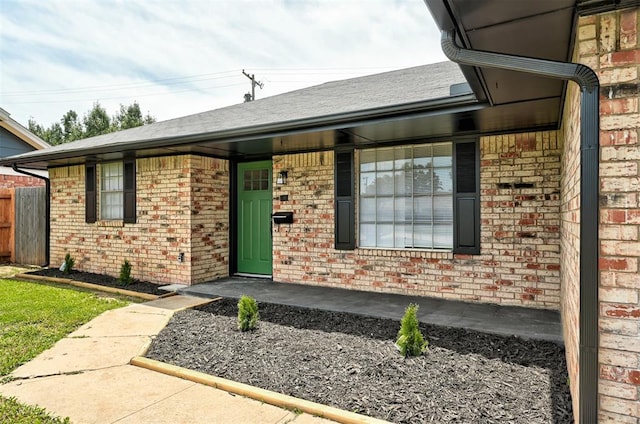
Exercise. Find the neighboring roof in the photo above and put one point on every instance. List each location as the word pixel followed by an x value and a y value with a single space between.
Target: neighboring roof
pixel 4 170
pixel 337 103
pixel 21 132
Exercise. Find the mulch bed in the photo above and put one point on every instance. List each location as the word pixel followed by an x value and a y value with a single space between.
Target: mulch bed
pixel 102 280
pixel 350 362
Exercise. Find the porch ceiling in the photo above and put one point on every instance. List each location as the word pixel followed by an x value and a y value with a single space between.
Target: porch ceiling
pixel 541 29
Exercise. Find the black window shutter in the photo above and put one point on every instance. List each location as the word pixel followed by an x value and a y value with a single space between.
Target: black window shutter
pixel 90 193
pixel 466 231
pixel 344 201
pixel 129 191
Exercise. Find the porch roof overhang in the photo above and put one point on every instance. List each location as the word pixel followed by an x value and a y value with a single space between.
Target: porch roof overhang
pixel 498 101
pixel 365 111
pixel 415 121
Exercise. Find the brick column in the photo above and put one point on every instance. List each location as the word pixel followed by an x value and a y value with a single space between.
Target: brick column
pixel 609 44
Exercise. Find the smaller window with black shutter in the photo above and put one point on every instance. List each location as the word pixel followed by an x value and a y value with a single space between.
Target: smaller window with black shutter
pixel 115 183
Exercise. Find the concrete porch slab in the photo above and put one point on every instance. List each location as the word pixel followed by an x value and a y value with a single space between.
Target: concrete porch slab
pixel 178 303
pixel 524 322
pixel 173 287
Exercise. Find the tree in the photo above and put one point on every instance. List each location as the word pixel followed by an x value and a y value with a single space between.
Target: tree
pixel 35 128
pixel 95 122
pixel 130 117
pixel 52 135
pixel 72 126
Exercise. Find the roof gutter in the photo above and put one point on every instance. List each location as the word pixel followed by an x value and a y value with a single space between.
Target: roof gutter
pixel 47 235
pixel 589 167
pixel 270 130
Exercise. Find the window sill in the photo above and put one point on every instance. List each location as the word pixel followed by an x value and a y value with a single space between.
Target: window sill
pixel 114 223
pixel 399 252
pixel 407 249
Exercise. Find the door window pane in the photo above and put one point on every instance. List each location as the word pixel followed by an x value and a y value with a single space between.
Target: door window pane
pixel 256 179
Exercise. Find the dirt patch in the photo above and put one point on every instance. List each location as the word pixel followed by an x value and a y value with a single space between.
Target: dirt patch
pixel 350 362
pixel 9 270
pixel 102 280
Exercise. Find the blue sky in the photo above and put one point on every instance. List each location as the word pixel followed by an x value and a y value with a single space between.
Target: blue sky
pixel 176 58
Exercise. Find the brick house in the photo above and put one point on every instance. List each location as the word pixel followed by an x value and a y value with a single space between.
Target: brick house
pixel 16 139
pixel 476 184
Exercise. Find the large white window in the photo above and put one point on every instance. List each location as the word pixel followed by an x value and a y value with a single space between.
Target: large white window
pixel 406 197
pixel 111 191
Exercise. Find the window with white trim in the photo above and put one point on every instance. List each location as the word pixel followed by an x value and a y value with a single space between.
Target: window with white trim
pixel 111 191
pixel 406 197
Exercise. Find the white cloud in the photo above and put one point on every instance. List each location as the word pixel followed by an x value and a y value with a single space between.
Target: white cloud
pixel 181 57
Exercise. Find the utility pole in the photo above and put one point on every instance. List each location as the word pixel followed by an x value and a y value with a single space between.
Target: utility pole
pixel 252 77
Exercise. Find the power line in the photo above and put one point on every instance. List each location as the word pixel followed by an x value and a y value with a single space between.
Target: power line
pixel 123 86
pixel 119 97
pixel 252 77
pixel 189 79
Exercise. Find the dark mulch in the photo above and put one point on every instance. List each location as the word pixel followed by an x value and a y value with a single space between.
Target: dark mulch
pixel 350 362
pixel 102 280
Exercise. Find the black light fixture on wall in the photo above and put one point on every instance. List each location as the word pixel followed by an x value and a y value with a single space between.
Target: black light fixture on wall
pixel 282 177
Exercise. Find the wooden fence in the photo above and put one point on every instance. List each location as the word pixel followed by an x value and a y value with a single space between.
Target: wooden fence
pixel 23 225
pixel 6 225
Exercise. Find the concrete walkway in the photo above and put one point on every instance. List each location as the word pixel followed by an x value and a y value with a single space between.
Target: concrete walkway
pixel 528 323
pixel 87 377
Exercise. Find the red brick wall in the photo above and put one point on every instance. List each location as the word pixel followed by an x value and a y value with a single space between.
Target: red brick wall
pixel 209 219
pixel 519 262
pixel 12 181
pixel 179 200
pixel 609 44
pixel 618 53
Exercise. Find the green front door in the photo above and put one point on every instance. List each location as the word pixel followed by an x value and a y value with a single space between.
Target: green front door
pixel 254 218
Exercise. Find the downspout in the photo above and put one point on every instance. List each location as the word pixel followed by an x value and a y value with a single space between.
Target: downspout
pixel 47 235
pixel 589 184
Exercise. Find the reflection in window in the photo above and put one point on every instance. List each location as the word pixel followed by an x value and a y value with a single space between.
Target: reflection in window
pixel 406 197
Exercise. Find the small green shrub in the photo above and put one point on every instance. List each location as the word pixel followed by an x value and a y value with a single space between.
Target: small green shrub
pixel 125 273
pixel 248 315
pixel 69 262
pixel 410 340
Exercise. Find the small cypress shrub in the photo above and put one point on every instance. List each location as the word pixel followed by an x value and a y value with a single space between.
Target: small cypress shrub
pixel 410 341
pixel 125 273
pixel 69 262
pixel 248 315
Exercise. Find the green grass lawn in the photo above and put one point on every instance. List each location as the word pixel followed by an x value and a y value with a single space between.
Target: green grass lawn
pixel 33 317
pixel 14 412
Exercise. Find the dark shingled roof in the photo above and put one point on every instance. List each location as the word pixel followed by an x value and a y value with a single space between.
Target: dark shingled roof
pixel 329 100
